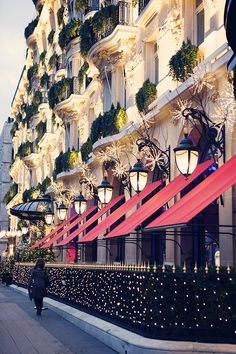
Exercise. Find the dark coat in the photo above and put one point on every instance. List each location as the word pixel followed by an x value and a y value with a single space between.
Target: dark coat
pixel 38 283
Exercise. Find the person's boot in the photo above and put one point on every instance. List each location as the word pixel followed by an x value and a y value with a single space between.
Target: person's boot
pixel 38 313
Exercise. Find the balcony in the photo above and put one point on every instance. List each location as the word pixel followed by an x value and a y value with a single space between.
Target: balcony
pixel 60 67
pixel 68 98
pixel 111 30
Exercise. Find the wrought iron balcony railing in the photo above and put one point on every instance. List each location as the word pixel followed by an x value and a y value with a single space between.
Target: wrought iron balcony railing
pixel 141 5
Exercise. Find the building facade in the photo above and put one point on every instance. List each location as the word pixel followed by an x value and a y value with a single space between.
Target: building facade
pixel 98 77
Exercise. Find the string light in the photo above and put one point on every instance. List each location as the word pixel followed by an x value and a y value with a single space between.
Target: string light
pixel 147 300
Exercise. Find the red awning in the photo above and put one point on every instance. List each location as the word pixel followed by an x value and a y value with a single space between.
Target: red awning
pixel 76 222
pixel 199 198
pixel 53 232
pixel 118 213
pixel 94 218
pixel 156 202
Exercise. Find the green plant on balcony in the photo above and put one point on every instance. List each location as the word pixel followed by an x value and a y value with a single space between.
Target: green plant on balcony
pixel 60 14
pixel 30 194
pixel 182 63
pixel 37 98
pixel 44 81
pixel 86 37
pixel 11 193
pixel 58 92
pixel 82 73
pixel 15 125
pixel 51 36
pixel 30 111
pixel 34 192
pixel 41 129
pixel 106 124
pixel 32 71
pixel 69 32
pixel 86 149
pixel 98 27
pixel 31 27
pixel 105 20
pixel 42 57
pixel 145 96
pixel 25 149
pixel 81 5
pixel 52 61
pixel 66 161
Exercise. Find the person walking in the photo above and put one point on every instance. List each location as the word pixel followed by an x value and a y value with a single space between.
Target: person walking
pixel 38 284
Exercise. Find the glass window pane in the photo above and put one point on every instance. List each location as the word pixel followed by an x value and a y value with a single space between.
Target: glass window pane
pixel 198 3
pixel 200 27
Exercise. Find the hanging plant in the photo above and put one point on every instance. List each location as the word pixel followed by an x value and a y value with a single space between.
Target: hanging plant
pixel 58 92
pixel 42 57
pixel 182 63
pixel 10 194
pixel 44 81
pixel 145 96
pixel 69 32
pixel 86 37
pixel 31 27
pixel 32 71
pixel 82 72
pixel 81 5
pixel 41 129
pixel 60 15
pixel 25 149
pixel 86 149
pixel 53 61
pixel 51 36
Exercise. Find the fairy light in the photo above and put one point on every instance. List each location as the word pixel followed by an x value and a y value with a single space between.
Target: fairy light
pixel 145 300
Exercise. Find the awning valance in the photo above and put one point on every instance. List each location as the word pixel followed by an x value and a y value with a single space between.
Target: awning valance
pixel 199 198
pixel 89 222
pixel 118 213
pixel 157 201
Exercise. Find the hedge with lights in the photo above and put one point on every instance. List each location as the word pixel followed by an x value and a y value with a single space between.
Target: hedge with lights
pixel 173 306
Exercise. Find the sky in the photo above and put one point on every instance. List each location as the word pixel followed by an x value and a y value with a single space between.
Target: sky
pixel 14 17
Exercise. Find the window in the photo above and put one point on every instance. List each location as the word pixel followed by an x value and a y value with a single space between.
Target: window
pixel 200 25
pixel 107 84
pixel 156 65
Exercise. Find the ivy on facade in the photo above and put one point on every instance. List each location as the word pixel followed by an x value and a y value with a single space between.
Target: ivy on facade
pixel 51 36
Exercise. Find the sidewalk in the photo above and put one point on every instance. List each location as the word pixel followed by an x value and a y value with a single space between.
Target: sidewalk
pixel 22 332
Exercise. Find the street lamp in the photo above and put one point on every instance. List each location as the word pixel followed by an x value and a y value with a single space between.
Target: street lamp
pixel 186 156
pixel 80 204
pixel 61 211
pixel 138 176
pixel 24 229
pixel 105 190
pixel 49 216
pixel 213 136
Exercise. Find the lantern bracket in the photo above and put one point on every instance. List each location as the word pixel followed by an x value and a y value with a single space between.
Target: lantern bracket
pixel 159 159
pixel 212 133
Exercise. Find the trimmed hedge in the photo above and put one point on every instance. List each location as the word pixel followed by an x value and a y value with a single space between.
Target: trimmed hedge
pixel 182 63
pixel 145 96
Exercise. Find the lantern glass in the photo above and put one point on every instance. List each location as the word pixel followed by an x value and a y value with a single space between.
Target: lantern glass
pixel 138 176
pixel 105 194
pixel 62 212
pixel 49 218
pixel 80 206
pixel 186 161
pixel 24 230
